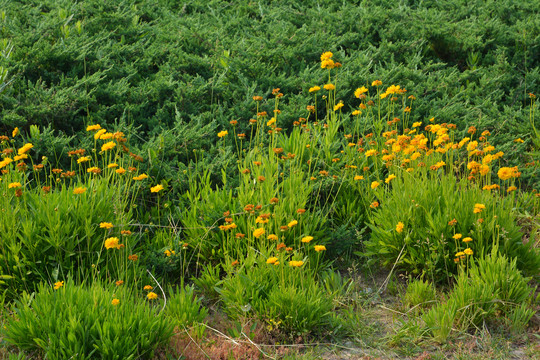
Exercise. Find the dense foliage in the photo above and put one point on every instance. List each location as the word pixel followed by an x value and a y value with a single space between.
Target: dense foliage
pixel 154 63
pixel 177 171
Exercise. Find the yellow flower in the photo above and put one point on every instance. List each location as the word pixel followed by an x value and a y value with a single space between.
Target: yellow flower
pixel 152 295
pixel 307 239
pixel 329 87
pixel 106 136
pixel 14 185
pixel 93 127
pixel 292 223
pixel 376 83
pixel 326 55
pixel 370 153
pixel 108 146
pixel 358 177
pixel 272 237
pixel 360 91
pixel 222 133
pixel 112 243
pixel 105 225
pixel 140 177
pixel 258 232
pixel 468 251
pixel 511 188
pixel 5 162
pixel 518 140
pixel 399 227
pixel 260 220
pixel 112 166
pixel 93 169
pixel 15 132
pixel 272 260
pixel 457 236
pixel 338 106
pixel 390 178
pixel 296 263
pixel 25 148
pixel 461 253
pixel 115 302
pixel 58 285
pixel 79 190
pixel 328 64
pixel 314 89
pixel 168 253
pixel 467 239
pixel 156 188
pixel 356 112
pixel 148 287
pixel 375 184
pixel 478 208
pixel 120 171
pixel 83 159
pixel 319 248
pixel 505 173
pixel 99 133
pixel 271 121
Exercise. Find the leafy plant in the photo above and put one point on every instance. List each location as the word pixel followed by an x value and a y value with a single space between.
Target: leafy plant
pixel 84 322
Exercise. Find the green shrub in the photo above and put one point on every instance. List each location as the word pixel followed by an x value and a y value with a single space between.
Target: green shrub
pixel 44 237
pixel 419 293
pixel 81 322
pixel 491 285
pixel 427 207
pixel 184 308
pixel 287 298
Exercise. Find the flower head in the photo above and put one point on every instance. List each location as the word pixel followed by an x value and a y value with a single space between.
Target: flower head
pixel 112 243
pixel 292 223
pixel 399 227
pixel 375 184
pixel 294 263
pixel 108 146
pixel 156 188
pixel 329 87
pixel 478 208
pixel 271 260
pixel 25 148
pixel 105 225
pixel 505 173
pixel 140 177
pixel 222 133
pixel 58 285
pixel 93 127
pixel 258 232
pixel 307 239
pixel 389 178
pixel 14 185
pixel 152 295
pixel 319 248
pixel 79 190
pixel 115 302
